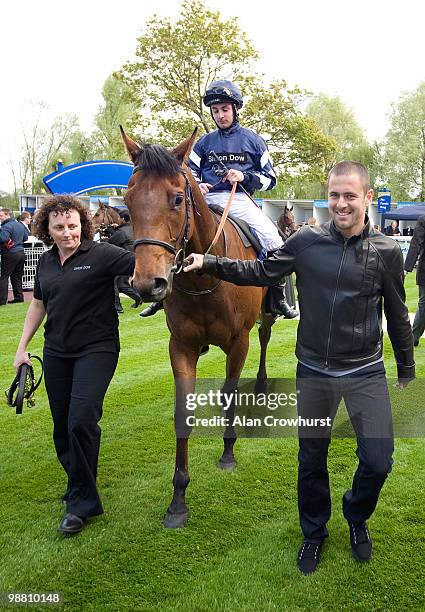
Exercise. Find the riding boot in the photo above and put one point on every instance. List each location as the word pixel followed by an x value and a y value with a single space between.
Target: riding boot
pixel 152 309
pixel 277 304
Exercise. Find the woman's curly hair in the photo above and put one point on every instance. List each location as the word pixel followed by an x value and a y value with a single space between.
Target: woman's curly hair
pixel 61 204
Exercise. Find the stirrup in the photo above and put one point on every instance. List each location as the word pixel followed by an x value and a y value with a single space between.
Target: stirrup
pixel 151 309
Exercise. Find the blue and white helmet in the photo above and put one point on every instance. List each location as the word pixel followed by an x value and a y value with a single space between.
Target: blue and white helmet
pixel 223 91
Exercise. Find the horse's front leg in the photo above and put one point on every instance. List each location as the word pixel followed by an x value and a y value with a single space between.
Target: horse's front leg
pixel 264 333
pixel 183 360
pixel 235 361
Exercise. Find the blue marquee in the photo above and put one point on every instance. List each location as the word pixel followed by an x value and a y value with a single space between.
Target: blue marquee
pixel 89 176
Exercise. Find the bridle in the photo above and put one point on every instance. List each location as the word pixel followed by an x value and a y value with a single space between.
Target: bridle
pixel 179 251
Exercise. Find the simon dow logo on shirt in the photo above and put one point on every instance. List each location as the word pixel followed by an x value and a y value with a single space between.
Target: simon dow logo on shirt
pixel 82 268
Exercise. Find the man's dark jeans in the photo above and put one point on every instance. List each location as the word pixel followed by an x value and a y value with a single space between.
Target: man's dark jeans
pixel 367 400
pixel 12 265
pixel 418 327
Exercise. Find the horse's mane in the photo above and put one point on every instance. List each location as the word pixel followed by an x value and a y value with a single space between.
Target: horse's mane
pixel 156 158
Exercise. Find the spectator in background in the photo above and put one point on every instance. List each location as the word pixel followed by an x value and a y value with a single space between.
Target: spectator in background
pixel 417 250
pixel 25 219
pixel 123 237
pixel 12 237
pixel 393 229
pixel 287 226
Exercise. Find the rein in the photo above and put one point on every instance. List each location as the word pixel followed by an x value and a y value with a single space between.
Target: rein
pixel 24 386
pixel 223 219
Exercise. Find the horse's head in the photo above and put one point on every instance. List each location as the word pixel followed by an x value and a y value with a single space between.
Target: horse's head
pixel 100 217
pixel 160 204
pixel 286 219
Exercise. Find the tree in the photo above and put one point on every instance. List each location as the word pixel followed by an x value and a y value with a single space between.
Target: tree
pixel 339 124
pixel 119 108
pixel 176 62
pixel 298 146
pixel 42 144
pixel 405 147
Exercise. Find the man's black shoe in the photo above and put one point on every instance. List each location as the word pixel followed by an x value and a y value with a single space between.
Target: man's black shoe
pixel 15 301
pixel 309 557
pixel 361 543
pixel 152 309
pixel 119 309
pixel 71 523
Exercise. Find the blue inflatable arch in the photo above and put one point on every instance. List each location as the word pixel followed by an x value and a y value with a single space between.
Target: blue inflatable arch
pixel 89 176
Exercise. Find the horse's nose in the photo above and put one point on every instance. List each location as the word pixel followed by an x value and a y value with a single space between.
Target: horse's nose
pixel 153 290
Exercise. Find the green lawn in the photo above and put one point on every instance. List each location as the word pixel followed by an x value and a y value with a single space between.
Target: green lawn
pixel 239 548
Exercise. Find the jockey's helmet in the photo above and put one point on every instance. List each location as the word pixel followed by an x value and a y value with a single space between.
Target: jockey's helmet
pixel 223 91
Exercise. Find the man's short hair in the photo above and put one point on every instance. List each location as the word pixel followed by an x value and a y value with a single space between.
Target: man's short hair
pixel 25 215
pixel 125 215
pixel 7 211
pixel 351 167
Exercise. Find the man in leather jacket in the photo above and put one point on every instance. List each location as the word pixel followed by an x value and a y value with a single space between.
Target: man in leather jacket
pixel 344 269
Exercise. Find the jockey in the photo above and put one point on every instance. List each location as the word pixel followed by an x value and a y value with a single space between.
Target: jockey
pixel 247 161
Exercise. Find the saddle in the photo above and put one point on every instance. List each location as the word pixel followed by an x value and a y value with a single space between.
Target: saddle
pixel 242 227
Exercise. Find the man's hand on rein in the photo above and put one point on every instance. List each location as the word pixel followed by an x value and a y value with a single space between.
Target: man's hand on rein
pixel 234 176
pixel 193 262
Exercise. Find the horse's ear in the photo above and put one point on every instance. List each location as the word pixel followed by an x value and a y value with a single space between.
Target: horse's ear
pixel 133 148
pixel 182 151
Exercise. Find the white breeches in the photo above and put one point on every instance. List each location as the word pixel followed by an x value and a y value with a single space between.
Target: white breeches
pixel 242 208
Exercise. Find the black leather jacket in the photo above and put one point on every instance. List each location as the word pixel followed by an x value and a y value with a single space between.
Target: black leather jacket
pixel 417 249
pixel 340 285
pixel 123 237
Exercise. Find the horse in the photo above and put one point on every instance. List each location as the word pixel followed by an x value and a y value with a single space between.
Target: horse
pixel 170 220
pixel 286 223
pixel 104 218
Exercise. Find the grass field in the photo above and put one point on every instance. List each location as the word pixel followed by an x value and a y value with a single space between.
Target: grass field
pixel 239 549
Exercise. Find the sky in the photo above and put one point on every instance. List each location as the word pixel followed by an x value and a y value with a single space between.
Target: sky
pixel 366 52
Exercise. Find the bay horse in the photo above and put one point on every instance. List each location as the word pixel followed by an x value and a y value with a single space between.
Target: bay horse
pixel 171 219
pixel 286 223
pixel 104 218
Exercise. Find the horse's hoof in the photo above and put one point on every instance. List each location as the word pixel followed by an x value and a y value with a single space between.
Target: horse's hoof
pixel 226 464
pixel 260 386
pixel 175 521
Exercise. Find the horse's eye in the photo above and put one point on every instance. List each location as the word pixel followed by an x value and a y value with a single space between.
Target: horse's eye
pixel 179 199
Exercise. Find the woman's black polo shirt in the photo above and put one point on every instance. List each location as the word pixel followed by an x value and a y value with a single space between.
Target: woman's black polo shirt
pixel 79 298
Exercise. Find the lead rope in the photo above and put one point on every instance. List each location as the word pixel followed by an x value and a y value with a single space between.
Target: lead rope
pixel 223 219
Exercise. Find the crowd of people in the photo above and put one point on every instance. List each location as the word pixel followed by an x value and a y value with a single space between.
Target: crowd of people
pixel 344 270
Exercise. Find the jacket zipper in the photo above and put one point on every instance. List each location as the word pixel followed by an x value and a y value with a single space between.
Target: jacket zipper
pixel 333 303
